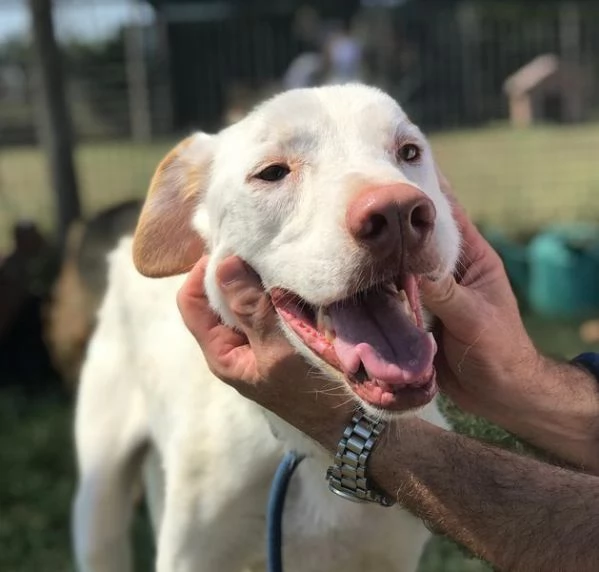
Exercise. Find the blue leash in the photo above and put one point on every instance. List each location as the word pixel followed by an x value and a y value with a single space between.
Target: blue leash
pixel 274 512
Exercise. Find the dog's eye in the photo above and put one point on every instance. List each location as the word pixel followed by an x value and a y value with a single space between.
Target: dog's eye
pixel 274 173
pixel 409 153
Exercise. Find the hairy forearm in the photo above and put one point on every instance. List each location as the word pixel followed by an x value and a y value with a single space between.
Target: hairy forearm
pixel 515 512
pixel 558 411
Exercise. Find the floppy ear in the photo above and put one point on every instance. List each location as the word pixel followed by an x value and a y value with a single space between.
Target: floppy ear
pixel 165 243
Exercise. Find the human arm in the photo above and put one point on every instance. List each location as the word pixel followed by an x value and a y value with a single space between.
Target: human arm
pixel 517 513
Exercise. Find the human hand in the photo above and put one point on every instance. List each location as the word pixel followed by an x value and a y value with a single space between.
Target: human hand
pixel 489 366
pixel 485 355
pixel 257 360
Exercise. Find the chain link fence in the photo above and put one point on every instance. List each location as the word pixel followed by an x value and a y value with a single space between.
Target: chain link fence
pixel 520 153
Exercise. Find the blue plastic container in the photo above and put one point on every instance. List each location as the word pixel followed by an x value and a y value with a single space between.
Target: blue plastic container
pixel 564 271
pixel 515 257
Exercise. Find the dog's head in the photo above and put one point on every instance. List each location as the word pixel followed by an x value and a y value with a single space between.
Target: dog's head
pixel 331 195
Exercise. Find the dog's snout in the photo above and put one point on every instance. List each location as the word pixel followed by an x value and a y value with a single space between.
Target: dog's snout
pixel 389 218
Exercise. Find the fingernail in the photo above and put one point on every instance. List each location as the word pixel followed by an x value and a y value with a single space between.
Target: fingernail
pixel 230 273
pixel 430 285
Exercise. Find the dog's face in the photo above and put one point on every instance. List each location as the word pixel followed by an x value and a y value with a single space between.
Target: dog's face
pixel 331 195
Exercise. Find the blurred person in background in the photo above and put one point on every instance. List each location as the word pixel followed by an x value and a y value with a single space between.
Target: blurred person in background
pixel 330 53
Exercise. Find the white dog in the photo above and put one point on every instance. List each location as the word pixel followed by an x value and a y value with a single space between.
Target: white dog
pixel 331 195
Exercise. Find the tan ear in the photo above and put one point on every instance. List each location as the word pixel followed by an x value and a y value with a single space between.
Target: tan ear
pixel 165 243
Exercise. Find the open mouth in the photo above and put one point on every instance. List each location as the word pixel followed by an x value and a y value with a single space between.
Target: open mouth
pixel 375 338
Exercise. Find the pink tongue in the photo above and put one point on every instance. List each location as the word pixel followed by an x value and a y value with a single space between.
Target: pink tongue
pixel 376 332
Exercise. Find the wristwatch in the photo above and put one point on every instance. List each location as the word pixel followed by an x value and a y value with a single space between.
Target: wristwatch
pixel 348 475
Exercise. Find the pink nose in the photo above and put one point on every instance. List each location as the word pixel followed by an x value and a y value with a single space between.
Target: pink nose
pixel 392 217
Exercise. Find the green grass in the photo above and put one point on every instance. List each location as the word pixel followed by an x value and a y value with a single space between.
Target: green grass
pixel 37 481
pixel 512 178
pixel 522 179
pixel 108 173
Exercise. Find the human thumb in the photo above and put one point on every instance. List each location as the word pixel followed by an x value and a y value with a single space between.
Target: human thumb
pixel 448 300
pixel 244 295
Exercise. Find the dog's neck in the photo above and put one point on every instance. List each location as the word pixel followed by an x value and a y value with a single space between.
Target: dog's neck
pixel 292 439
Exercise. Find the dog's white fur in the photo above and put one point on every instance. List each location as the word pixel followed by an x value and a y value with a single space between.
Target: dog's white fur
pixel 148 402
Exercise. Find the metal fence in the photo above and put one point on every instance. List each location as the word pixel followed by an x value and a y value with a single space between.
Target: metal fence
pixel 139 78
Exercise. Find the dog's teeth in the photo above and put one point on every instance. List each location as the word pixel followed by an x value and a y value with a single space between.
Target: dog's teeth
pixel 327 323
pixel 324 324
pixel 323 320
pixel 329 330
pixel 403 298
pixel 320 319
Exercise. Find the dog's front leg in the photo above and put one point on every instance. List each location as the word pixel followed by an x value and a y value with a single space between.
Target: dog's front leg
pixel 111 438
pixel 101 517
pixel 210 524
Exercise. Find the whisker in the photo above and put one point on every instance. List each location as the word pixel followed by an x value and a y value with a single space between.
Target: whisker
pixel 343 403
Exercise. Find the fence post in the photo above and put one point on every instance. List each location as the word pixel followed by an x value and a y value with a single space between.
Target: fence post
pixel 163 92
pixel 137 77
pixel 469 34
pixel 570 32
pixel 55 122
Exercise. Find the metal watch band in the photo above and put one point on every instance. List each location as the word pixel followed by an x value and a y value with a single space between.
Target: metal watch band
pixel 347 476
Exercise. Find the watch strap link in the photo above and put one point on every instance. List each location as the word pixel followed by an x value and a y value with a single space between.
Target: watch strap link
pixel 347 476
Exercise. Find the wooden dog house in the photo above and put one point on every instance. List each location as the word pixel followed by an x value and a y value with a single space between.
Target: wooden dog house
pixel 546 89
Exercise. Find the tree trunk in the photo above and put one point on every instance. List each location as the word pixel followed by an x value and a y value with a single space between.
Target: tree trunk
pixel 55 121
